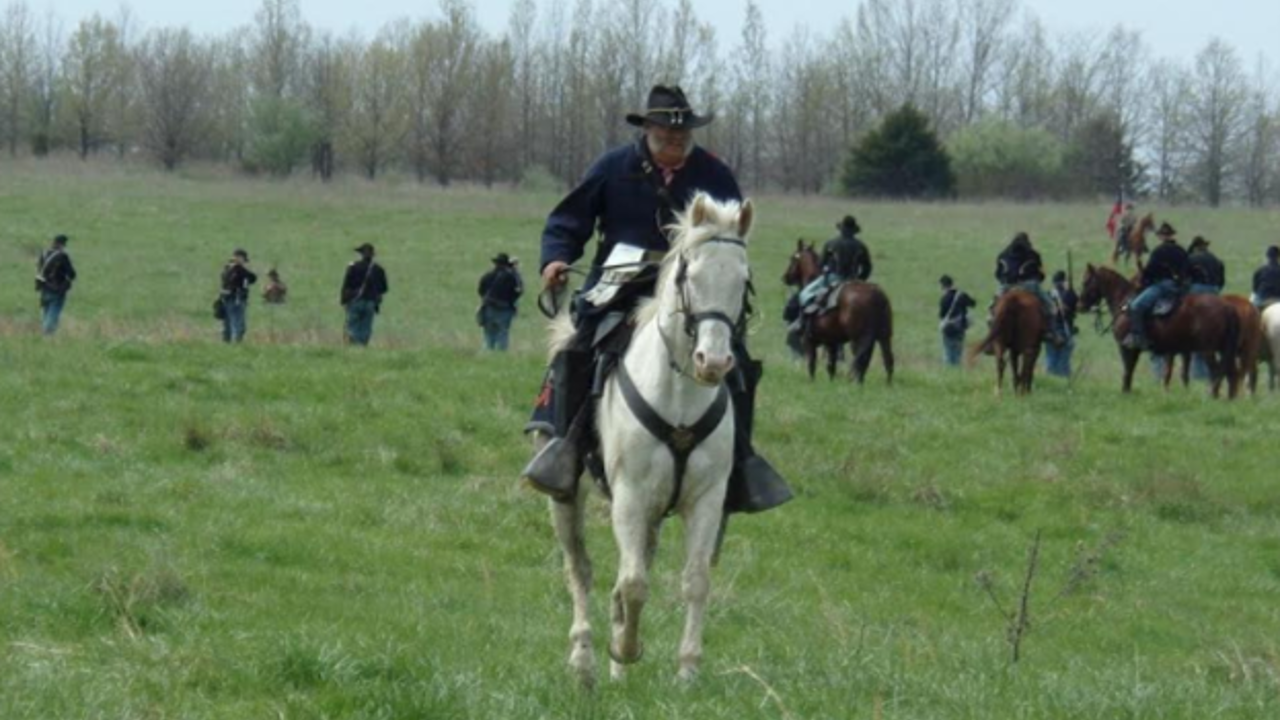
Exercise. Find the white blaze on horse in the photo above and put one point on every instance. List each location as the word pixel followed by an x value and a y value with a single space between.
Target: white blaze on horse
pixel 666 429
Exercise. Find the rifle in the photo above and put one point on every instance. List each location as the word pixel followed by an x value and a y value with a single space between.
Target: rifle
pixel 1071 276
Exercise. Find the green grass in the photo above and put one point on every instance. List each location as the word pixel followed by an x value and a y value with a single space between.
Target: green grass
pixel 295 529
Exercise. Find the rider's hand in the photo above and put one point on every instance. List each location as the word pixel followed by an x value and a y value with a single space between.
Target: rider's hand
pixel 555 274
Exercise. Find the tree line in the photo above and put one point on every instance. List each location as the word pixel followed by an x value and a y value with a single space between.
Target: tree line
pixel 1022 112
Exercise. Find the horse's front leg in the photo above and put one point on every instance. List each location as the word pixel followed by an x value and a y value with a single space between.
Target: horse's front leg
pixel 569 523
pixel 999 371
pixel 702 525
pixel 635 530
pixel 833 356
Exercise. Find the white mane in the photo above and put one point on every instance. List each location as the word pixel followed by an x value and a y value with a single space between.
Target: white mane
pixel 719 220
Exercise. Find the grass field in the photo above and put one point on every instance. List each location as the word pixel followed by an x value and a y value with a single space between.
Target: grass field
pixel 294 529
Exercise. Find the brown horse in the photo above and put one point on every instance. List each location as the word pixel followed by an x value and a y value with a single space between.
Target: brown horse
pixel 1251 343
pixel 1204 324
pixel 862 318
pixel 1134 245
pixel 1017 327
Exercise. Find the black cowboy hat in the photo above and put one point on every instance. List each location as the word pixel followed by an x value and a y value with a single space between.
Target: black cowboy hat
pixel 1198 242
pixel 669 108
pixel 365 248
pixel 946 281
pixel 849 224
pixel 241 252
pixel 60 240
pixel 1166 230
pixel 501 259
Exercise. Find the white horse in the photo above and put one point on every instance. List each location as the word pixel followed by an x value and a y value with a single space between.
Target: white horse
pixel 1271 340
pixel 675 367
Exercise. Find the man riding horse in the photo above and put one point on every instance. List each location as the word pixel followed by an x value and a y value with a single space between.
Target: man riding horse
pixel 844 258
pixel 1266 280
pixel 631 196
pixel 1167 272
pixel 1019 267
pixel 1208 276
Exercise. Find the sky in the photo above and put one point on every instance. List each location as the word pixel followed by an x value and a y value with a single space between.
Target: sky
pixel 1173 28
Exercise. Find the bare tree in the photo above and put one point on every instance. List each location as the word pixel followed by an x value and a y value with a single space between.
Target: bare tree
pixel 490 126
pixel 459 40
pixel 45 81
pixel 753 84
pixel 278 45
pixel 91 71
pixel 17 51
pixel 1217 116
pixel 525 67
pixel 1260 143
pixel 327 96
pixel 174 74
pixel 378 118
pixel 1167 128
pixel 983 26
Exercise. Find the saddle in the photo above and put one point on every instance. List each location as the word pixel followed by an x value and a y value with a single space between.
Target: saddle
pixel 826 302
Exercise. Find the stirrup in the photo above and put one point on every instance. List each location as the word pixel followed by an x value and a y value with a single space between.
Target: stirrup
pixel 762 488
pixel 554 471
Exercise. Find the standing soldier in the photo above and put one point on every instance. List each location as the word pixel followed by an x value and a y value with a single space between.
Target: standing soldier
pixel 499 290
pixel 1058 357
pixel 630 195
pixel 54 275
pixel 362 289
pixel 953 320
pixel 236 279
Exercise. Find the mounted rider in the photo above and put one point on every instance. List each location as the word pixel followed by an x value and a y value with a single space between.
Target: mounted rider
pixel 1208 276
pixel 630 196
pixel 1019 267
pixel 1127 222
pixel 1167 272
pixel 844 258
pixel 1266 280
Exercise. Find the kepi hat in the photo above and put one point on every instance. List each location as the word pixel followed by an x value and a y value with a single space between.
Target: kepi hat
pixel 668 107
pixel 365 248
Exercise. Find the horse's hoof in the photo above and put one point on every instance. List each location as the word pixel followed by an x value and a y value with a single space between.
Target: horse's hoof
pixel 615 656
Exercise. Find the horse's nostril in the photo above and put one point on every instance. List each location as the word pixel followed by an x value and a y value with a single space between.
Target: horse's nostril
pixel 700 358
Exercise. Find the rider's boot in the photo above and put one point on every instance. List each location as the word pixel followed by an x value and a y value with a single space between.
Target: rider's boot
pixel 1137 337
pixel 754 486
pixel 556 467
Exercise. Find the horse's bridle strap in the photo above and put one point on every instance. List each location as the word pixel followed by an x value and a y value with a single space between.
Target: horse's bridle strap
pixel 682 440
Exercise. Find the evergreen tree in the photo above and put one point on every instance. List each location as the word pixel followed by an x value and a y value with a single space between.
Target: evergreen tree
pixel 1100 161
pixel 900 159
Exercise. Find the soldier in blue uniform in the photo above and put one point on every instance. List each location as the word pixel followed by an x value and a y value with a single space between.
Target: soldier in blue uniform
pixel 499 290
pixel 953 320
pixel 236 279
pixel 627 198
pixel 1266 280
pixel 54 276
pixel 1019 267
pixel 1208 277
pixel 1065 301
pixel 1166 273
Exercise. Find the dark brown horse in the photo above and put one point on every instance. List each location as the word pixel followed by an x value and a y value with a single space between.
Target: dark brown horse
pixel 1017 327
pixel 1249 352
pixel 862 317
pixel 1134 245
pixel 1204 324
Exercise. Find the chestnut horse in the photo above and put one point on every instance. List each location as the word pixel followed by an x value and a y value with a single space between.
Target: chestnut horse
pixel 862 317
pixel 1204 324
pixel 1135 243
pixel 1017 327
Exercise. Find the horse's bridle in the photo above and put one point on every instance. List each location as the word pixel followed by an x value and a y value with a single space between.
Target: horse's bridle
pixel 693 319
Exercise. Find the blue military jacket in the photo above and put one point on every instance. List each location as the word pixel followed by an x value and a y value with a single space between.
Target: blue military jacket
pixel 618 200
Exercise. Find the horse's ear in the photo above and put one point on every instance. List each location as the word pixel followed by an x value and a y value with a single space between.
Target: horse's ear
pixel 698 213
pixel 799 244
pixel 745 217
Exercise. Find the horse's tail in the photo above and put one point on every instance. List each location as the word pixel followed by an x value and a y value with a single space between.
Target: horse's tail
pixel 997 325
pixel 880 326
pixel 1231 346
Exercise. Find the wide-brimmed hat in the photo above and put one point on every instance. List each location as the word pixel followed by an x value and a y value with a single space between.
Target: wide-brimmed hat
pixel 1198 242
pixel 669 108
pixel 849 224
pixel 365 248
pixel 1166 230
pixel 946 281
pixel 1060 276
pixel 60 239
pixel 501 259
pixel 241 252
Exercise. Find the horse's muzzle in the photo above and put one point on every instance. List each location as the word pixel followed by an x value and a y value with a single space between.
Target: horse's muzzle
pixel 711 372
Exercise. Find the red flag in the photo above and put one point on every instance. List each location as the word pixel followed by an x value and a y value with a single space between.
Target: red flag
pixel 1116 210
